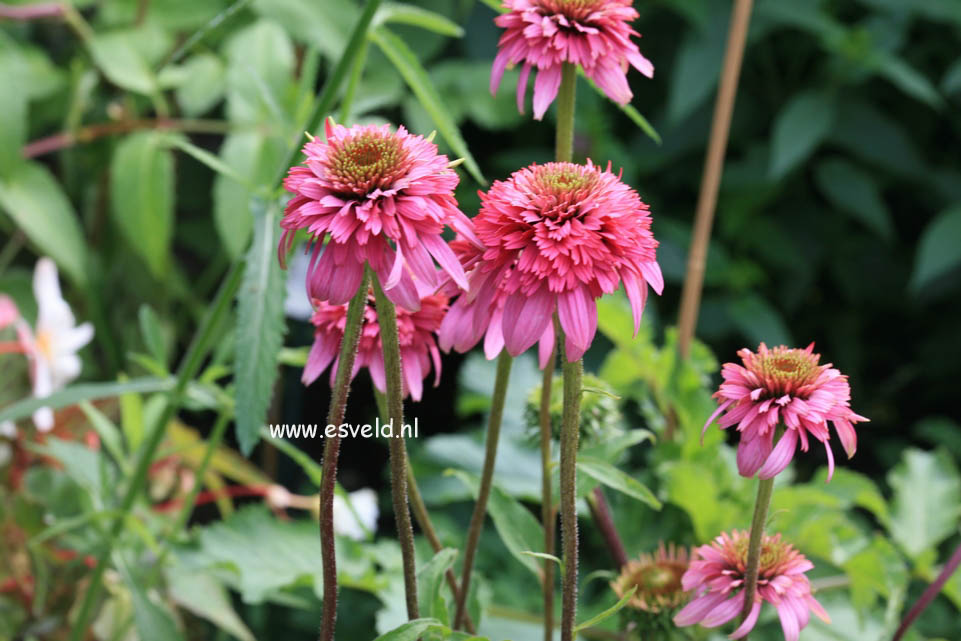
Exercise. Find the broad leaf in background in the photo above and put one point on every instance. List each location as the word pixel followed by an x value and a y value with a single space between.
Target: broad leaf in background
pixel 35 201
pixel 927 500
pixel 799 129
pixel 412 630
pixel 877 570
pixel 855 192
pixel 13 114
pixel 121 60
pixel 153 623
pixel 431 587
pixel 203 595
pixel 939 251
pixel 604 472
pixel 418 17
pixel 260 327
pixel 759 321
pixel 203 86
pixel 325 25
pixel 260 64
pixel 420 83
pixel 142 197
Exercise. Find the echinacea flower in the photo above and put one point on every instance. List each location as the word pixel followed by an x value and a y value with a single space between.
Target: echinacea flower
pixel 787 387
pixel 418 346
pixel 556 237
pixel 717 578
pixel 594 34
pixel 657 579
pixel 52 345
pixel 376 196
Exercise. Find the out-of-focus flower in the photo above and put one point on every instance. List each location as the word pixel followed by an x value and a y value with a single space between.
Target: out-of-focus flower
pixel 356 523
pixel 717 578
pixel 594 34
pixel 657 577
pixel 418 345
pixel 8 311
pixel 556 237
pixel 783 386
pixel 375 196
pixel 53 344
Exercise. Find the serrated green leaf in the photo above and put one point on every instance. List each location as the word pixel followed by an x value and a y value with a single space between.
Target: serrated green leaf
pixel 939 251
pixel 36 203
pixel 420 83
pixel 260 327
pixel 799 129
pixel 518 528
pixel 603 472
pixel 855 192
pixel 878 570
pixel 418 17
pixel 927 500
pixel 142 197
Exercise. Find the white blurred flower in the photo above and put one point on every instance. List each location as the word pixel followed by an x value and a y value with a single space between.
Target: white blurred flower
pixel 297 303
pixel 364 502
pixel 53 344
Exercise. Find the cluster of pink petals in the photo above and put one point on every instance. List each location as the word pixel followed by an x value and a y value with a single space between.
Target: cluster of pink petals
pixel 716 578
pixel 783 386
pixel 594 34
pixel 556 237
pixel 375 196
pixel 418 347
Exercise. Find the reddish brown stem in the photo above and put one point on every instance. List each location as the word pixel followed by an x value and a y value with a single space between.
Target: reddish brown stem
pixel 930 593
pixel 31 11
pixel 89 133
pixel 601 512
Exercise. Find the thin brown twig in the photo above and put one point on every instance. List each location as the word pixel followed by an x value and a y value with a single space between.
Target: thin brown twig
pixel 31 11
pixel 713 169
pixel 89 133
pixel 601 513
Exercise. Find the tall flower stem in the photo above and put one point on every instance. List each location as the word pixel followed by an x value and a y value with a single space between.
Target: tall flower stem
pixel 547 500
pixel 335 416
pixel 929 593
pixel 570 433
pixel 564 144
pixel 387 317
pixel 713 168
pixel 765 489
pixel 422 516
pixel 601 512
pixel 501 380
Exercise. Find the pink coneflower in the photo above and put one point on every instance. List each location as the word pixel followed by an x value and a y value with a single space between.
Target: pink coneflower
pixel 418 347
pixel 594 34
pixel 383 197
pixel 717 579
pixel 783 386
pixel 556 237
pixel 656 578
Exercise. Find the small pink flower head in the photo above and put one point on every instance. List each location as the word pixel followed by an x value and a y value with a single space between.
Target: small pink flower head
pixel 418 347
pixel 382 197
pixel 656 579
pixel 783 386
pixel 594 34
pixel 555 236
pixel 8 311
pixel 716 576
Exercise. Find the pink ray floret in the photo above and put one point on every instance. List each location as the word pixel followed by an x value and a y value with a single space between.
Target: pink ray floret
pixel 416 331
pixel 716 577
pixel 555 237
pixel 786 387
pixel 375 196
pixel 544 34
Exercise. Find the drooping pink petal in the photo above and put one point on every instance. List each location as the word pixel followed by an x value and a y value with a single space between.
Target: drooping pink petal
pixel 780 456
pixel 546 84
pixel 749 622
pixel 524 320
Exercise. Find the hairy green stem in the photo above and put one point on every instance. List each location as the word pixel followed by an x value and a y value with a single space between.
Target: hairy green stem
pixel 564 145
pixel 387 318
pixel 547 499
pixel 570 433
pixel 765 489
pixel 501 380
pixel 422 516
pixel 328 482
pixel 191 366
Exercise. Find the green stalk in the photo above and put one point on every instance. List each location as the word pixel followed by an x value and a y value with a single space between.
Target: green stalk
pixel 387 318
pixel 352 83
pixel 548 515
pixel 328 482
pixel 504 363
pixel 765 489
pixel 564 146
pixel 191 365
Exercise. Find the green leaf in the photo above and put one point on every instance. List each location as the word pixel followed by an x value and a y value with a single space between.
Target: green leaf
pixel 310 467
pixel 153 333
pixel 418 17
pixel 628 110
pixel 13 115
pixel 420 83
pixel 697 67
pixel 142 197
pixel 412 630
pixel 118 57
pixel 799 129
pixel 603 472
pixel 609 612
pixel 951 83
pixel 927 501
pixel 203 86
pixel 108 432
pixel 38 206
pixel 207 158
pixel 260 328
pixel 939 251
pixel 204 596
pixel 855 192
pixel 520 531
pixel 80 463
pixel 152 622
pixel 324 25
pixel 431 586
pixel 759 321
pixel 260 65
pixel 83 392
pixel 907 79
pixel 878 570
